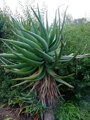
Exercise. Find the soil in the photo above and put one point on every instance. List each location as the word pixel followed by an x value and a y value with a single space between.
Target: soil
pixel 10 113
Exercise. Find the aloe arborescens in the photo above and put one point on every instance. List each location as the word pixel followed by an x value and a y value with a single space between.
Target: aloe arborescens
pixel 37 55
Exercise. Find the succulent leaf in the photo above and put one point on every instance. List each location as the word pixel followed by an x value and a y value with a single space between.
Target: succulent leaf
pixel 37 51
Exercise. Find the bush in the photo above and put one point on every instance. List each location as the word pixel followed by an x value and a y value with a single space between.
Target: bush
pixel 6 92
pixel 80 80
pixel 69 111
pixel 77 37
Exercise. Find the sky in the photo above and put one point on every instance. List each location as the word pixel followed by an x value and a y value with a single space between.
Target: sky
pixel 76 8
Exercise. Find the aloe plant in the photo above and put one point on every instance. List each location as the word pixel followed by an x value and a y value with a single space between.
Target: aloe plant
pixel 36 55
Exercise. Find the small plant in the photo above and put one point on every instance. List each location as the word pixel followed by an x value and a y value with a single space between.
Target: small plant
pixel 27 104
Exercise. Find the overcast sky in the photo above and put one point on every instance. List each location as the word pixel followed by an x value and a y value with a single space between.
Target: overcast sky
pixel 77 8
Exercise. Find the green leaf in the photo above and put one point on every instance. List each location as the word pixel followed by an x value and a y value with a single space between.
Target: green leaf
pixel 44 55
pixel 44 32
pixel 33 76
pixel 63 82
pixel 39 39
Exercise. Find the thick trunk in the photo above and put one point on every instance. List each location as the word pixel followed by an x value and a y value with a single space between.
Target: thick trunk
pixel 47 93
pixel 48 115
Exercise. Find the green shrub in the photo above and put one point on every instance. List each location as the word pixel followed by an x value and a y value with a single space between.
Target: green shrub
pixel 77 37
pixel 69 111
pixel 6 92
pixel 80 80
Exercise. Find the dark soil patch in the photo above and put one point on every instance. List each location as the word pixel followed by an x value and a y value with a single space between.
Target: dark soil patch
pixel 10 113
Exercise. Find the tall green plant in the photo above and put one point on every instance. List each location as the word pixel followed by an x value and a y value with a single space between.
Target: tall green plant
pixel 36 56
